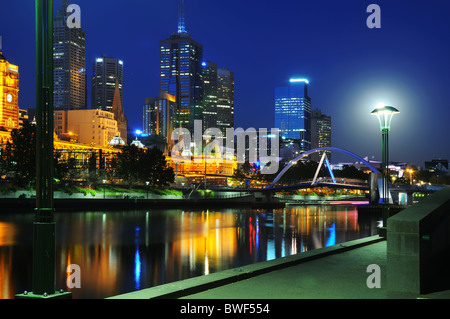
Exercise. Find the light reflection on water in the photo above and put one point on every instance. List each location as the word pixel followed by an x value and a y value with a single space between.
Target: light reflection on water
pixel 119 252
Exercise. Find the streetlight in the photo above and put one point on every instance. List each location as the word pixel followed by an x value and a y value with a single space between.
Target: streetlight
pixel 385 114
pixel 410 171
pixel 146 183
pixel 104 188
pixel 44 225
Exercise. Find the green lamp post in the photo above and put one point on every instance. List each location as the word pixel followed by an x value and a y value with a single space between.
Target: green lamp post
pixel 385 114
pixel 44 246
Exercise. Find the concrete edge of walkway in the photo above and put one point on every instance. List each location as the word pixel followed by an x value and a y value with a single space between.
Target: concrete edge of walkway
pixel 202 283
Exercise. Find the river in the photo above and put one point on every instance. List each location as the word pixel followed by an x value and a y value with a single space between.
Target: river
pixel 120 252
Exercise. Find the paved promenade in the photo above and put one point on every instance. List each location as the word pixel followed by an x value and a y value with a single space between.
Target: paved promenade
pixel 337 272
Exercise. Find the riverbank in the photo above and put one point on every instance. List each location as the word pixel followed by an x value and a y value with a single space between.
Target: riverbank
pixel 8 205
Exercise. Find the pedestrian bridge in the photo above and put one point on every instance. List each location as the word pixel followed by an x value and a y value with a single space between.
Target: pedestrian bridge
pixel 323 182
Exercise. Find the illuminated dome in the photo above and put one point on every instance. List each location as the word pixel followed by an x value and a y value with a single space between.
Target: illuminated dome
pixel 138 143
pixel 117 141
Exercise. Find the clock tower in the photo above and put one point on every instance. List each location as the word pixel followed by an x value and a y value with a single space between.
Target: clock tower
pixel 9 93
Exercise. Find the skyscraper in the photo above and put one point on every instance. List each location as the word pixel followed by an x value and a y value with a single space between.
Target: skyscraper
pixel 105 72
pixel 320 133
pixel 69 63
pixel 9 93
pixel 293 116
pixel 181 73
pixel 218 97
pixel 159 115
pixel 225 100
pixel 209 76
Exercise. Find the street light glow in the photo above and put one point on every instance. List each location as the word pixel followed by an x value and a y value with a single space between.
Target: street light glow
pixel 380 105
pixel 385 114
pixel 299 80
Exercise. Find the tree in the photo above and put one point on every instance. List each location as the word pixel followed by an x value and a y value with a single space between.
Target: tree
pixel 351 172
pixel 20 153
pixel 128 164
pixel 135 165
pixel 92 176
pixel 19 157
pixel 154 168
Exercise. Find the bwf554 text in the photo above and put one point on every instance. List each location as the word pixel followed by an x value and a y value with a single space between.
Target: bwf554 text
pixel 247 308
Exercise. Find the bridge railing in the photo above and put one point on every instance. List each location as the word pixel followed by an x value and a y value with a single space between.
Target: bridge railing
pixel 327 180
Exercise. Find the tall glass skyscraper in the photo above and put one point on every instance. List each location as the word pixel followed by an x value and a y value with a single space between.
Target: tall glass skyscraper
pixel 181 74
pixel 225 100
pixel 320 133
pixel 105 72
pixel 209 76
pixel 69 64
pixel 159 116
pixel 293 114
pixel 218 97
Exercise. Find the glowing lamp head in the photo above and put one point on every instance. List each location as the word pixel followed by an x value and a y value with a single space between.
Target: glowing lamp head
pixel 299 80
pixel 385 114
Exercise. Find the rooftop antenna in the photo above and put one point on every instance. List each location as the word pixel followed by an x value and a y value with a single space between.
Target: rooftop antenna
pixel 181 19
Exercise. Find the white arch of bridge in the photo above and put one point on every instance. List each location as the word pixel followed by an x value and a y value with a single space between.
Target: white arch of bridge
pixel 321 149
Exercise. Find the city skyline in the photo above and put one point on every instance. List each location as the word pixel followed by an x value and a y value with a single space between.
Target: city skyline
pixel 351 68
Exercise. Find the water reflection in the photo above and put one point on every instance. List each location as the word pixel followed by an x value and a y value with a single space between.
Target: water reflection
pixel 120 252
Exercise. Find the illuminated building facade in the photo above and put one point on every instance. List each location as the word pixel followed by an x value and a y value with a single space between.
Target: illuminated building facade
pixel 159 115
pixel 90 127
pixel 320 133
pixel 293 118
pixel 106 72
pixel 225 100
pixel 181 74
pixel 9 94
pixel 69 64
pixel 194 171
pixel 209 75
pixel 218 97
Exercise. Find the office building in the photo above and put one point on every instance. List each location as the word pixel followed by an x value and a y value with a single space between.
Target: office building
pixel 159 116
pixel 293 118
pixel 210 79
pixel 106 71
pixel 69 64
pixel 218 97
pixel 320 133
pixel 91 127
pixel 9 93
pixel 225 100
pixel 181 74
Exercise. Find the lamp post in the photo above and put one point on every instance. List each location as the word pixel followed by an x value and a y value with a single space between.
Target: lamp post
pixel 385 114
pixel 104 188
pixel 44 226
pixel 410 171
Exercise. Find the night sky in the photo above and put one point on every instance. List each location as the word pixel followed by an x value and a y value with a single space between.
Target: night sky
pixel 351 68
